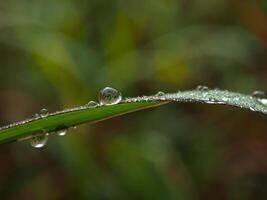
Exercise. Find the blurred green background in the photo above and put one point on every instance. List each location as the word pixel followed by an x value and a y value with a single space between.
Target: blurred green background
pixel 59 53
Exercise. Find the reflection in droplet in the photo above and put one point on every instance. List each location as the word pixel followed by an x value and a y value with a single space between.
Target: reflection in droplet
pixel 39 141
pixel 109 96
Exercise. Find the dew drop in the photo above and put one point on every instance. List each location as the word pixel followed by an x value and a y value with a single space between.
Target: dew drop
pixel 109 96
pixel 236 99
pixel 212 100
pixel 225 99
pixel 92 104
pixel 36 115
pixel 259 94
pixel 160 93
pixel 202 88
pixel 62 132
pixel 39 141
pixel 252 109
pixel 43 113
pixel 263 101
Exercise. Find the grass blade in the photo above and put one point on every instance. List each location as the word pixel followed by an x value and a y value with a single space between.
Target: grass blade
pixel 72 117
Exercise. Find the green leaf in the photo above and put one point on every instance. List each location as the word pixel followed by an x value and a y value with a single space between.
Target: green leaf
pixel 84 114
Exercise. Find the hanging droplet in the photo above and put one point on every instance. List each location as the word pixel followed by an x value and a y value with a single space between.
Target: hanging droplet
pixel 62 132
pixel 259 94
pixel 160 93
pixel 109 96
pixel 92 104
pixel 43 113
pixel 202 88
pixel 39 141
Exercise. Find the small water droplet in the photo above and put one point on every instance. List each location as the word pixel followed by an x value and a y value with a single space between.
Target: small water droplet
pixel 212 100
pixel 109 96
pixel 62 132
pixel 202 88
pixel 263 101
pixel 92 104
pixel 259 94
pixel 252 109
pixel 236 98
pixel 225 99
pixel 160 93
pixel 39 141
pixel 36 115
pixel 43 113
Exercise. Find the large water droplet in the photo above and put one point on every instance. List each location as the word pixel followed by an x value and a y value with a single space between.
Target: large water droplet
pixel 39 141
pixel 109 96
pixel 92 104
pixel 43 113
pixel 202 88
pixel 62 132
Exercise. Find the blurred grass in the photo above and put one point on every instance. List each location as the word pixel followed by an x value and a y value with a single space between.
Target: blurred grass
pixel 60 53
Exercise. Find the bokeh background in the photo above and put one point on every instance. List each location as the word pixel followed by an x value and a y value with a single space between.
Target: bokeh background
pixel 59 53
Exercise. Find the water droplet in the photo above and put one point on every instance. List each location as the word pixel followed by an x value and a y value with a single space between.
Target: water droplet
pixel 261 97
pixel 160 93
pixel 263 101
pixel 225 99
pixel 202 88
pixel 43 113
pixel 39 141
pixel 62 132
pixel 236 99
pixel 259 94
pixel 212 100
pixel 36 115
pixel 92 104
pixel 252 109
pixel 109 96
